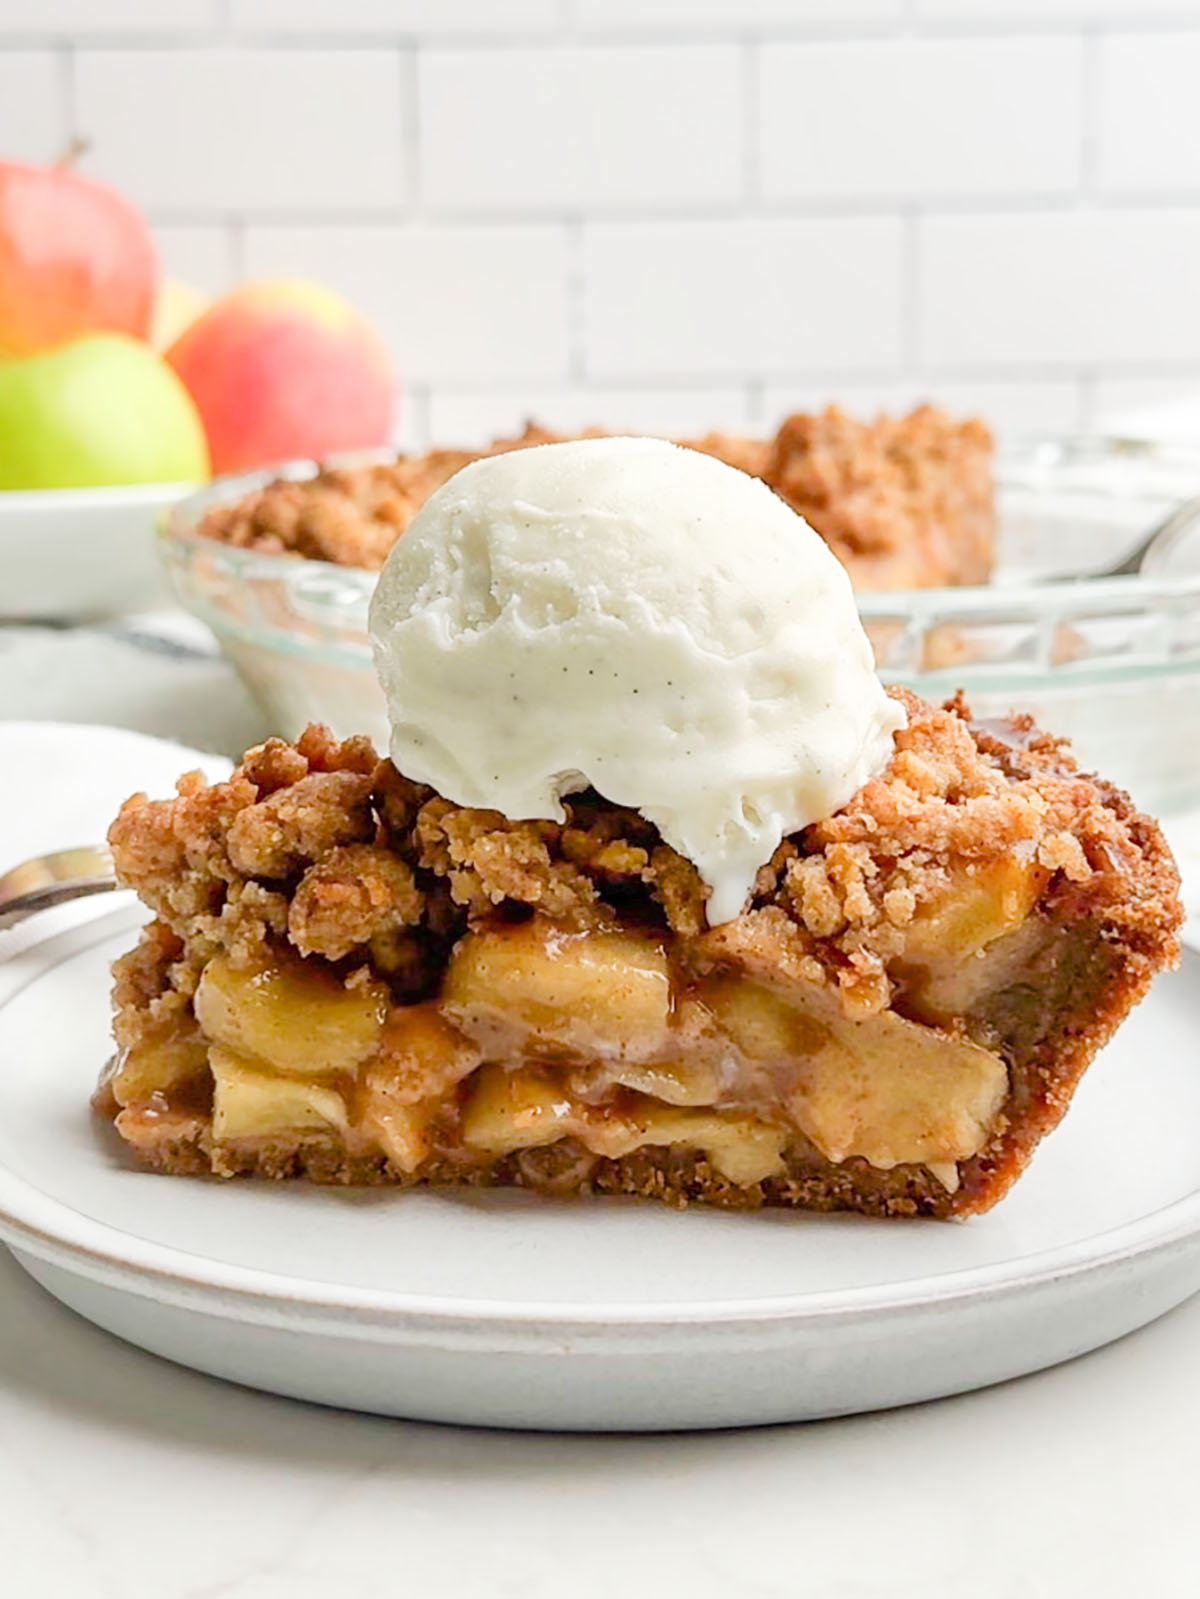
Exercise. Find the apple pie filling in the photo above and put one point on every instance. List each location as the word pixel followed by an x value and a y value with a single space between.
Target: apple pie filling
pixel 614 1038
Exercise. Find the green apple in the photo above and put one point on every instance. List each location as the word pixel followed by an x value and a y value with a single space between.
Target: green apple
pixel 103 409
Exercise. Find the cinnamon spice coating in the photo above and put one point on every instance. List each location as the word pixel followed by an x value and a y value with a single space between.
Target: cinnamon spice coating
pixel 903 502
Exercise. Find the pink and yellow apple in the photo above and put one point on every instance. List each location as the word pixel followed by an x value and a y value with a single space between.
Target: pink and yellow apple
pixel 285 368
pixel 176 307
pixel 76 257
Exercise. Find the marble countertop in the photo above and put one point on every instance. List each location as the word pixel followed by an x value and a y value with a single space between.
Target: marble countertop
pixel 122 1477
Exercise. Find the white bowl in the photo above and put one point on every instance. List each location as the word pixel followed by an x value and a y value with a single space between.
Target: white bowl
pixel 69 554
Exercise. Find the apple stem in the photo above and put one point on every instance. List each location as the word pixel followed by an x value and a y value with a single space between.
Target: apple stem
pixel 75 151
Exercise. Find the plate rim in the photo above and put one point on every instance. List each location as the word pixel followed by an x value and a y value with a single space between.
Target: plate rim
pixel 63 1236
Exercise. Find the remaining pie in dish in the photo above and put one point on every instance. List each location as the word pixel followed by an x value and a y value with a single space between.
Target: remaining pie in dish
pixel 903 502
pixel 350 978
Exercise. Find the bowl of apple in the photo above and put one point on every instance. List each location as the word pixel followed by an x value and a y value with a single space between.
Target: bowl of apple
pixel 121 393
pixel 97 433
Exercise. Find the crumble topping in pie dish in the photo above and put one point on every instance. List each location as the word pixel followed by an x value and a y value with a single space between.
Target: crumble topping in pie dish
pixel 353 979
pixel 903 502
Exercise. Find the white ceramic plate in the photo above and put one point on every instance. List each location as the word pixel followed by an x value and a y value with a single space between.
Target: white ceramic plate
pixel 510 1310
pixel 67 554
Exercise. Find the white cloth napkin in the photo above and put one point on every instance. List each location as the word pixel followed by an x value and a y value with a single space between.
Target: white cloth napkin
pixel 62 785
pixel 159 674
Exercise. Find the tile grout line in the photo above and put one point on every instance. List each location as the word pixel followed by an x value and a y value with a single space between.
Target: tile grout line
pixel 419 399
pixel 905 24
pixel 1068 376
pixel 1087 384
pixel 576 302
pixel 236 248
pixel 910 292
pixel 69 89
pixel 983 208
pixel 1089 129
pixel 750 84
pixel 410 128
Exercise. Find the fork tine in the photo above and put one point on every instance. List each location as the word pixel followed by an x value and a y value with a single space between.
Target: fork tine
pixel 53 879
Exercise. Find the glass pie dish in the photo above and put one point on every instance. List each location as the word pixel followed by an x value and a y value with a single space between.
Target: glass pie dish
pixel 1111 662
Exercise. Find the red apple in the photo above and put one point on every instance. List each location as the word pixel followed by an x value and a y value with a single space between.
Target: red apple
pixel 76 257
pixel 285 368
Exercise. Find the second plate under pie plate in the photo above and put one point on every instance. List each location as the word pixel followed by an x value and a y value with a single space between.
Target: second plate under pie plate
pixel 506 1309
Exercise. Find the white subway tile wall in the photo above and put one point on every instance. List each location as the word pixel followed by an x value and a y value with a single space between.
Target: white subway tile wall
pixel 394 17
pixel 589 128
pixel 1018 11
pixel 99 18
pixel 202 131
pixel 681 412
pixel 693 14
pixel 1011 407
pixel 667 215
pixel 33 104
pixel 460 303
pixel 1147 139
pixel 202 254
pixel 1059 290
pixel 970 117
pixel 767 295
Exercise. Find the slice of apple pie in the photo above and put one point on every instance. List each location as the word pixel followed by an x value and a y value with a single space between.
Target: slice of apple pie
pixel 352 979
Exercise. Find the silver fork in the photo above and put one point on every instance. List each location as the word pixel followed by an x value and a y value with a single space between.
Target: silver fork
pixel 53 879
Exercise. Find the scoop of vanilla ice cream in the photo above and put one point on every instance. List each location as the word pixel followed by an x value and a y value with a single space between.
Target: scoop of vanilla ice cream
pixel 642 618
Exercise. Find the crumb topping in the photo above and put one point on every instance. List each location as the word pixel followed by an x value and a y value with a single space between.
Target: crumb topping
pixel 897 500
pixel 324 849
pixel 903 502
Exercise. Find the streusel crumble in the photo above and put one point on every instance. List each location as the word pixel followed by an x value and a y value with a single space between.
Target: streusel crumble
pixel 903 502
